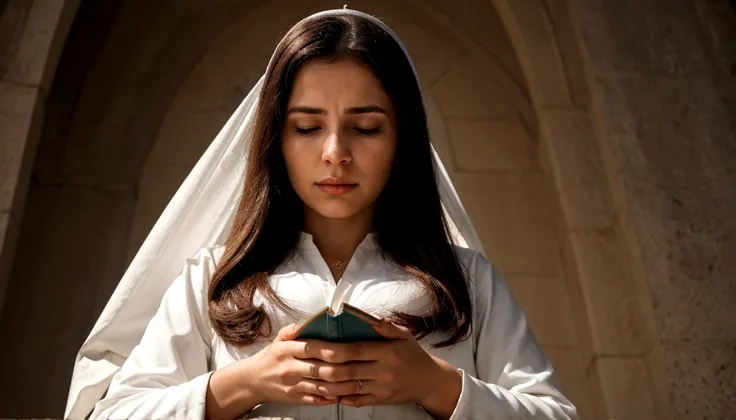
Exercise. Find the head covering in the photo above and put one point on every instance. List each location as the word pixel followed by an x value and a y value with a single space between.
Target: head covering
pixel 199 215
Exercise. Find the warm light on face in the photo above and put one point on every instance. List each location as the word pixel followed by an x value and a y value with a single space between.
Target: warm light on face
pixel 339 137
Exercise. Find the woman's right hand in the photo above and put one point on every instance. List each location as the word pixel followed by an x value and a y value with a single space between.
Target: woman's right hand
pixel 279 373
pixel 286 372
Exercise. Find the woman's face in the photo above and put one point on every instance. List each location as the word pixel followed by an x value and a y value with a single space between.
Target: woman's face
pixel 339 138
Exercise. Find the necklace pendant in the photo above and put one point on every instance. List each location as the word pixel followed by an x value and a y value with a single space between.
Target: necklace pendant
pixel 339 264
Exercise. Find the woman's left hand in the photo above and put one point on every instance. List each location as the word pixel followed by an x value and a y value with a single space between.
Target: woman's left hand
pixel 403 372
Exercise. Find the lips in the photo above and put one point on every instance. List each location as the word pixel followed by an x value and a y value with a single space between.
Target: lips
pixel 333 186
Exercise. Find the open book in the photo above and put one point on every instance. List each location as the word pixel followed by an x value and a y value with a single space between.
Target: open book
pixel 346 325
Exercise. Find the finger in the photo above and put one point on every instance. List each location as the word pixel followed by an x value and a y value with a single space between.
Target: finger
pixel 312 399
pixel 331 390
pixel 289 332
pixel 389 329
pixel 364 351
pixel 331 372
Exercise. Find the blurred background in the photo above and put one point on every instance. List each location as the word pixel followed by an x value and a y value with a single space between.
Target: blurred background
pixel 590 141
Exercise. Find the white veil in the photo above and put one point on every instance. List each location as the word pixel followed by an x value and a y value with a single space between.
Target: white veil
pixel 199 215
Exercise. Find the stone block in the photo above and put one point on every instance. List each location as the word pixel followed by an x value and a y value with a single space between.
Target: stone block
pixel 576 166
pixel 674 141
pixel 20 119
pixel 431 52
pixel 558 13
pixel 702 378
pixel 529 26
pixel 68 260
pixel 610 294
pixel 466 91
pixel 509 211
pixel 490 145
pixel 578 387
pixel 40 43
pixel 480 23
pixel 547 306
pixel 628 37
pixel 626 388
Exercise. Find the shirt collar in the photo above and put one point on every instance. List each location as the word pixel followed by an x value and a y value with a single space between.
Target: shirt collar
pixel 368 247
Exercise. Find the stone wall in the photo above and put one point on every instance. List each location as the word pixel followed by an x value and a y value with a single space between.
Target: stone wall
pixel 590 141
pixel 665 96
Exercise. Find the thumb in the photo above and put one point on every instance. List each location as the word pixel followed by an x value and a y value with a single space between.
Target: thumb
pixel 289 332
pixel 389 329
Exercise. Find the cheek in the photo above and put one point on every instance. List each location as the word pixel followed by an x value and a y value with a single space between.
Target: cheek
pixel 294 156
pixel 377 164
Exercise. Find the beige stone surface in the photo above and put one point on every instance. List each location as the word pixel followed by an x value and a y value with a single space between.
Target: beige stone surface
pixel 478 20
pixel 509 212
pixel 465 91
pixel 678 162
pixel 570 367
pixel 19 112
pixel 39 44
pixel 158 185
pixel 67 258
pixel 529 26
pixel 559 15
pixel 625 382
pixel 581 318
pixel 622 45
pixel 547 305
pixel 575 161
pixel 701 378
pixel 610 294
pixel 482 145
pixel 181 141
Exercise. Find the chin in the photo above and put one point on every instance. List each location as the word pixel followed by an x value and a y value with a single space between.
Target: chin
pixel 337 211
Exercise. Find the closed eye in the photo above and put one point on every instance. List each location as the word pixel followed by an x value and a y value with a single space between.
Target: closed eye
pixel 306 130
pixel 367 131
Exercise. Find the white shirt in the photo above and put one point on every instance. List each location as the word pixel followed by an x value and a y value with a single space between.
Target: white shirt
pixel 505 375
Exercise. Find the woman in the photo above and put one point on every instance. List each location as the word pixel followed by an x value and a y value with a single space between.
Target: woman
pixel 340 204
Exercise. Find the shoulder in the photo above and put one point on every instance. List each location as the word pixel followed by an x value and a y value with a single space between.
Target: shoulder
pixel 193 281
pixel 483 279
pixel 200 267
pixel 479 268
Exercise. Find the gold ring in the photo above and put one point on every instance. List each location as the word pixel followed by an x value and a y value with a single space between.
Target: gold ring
pixel 360 386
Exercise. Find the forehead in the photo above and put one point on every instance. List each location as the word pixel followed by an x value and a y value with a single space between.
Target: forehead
pixel 345 81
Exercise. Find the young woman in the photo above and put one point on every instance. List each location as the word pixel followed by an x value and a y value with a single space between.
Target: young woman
pixel 340 202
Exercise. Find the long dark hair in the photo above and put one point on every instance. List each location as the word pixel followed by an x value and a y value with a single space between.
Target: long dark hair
pixel 408 221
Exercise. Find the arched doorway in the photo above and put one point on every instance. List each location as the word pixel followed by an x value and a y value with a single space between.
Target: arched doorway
pixel 517 141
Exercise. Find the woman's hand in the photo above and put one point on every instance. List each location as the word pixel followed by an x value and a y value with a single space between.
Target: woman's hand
pixel 280 373
pixel 401 371
pixel 315 372
pixel 287 371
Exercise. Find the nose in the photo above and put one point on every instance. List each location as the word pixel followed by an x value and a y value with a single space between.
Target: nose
pixel 336 150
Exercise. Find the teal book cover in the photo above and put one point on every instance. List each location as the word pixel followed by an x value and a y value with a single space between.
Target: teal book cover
pixel 349 325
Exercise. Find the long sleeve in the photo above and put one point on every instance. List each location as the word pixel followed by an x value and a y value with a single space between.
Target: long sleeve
pixel 515 379
pixel 166 375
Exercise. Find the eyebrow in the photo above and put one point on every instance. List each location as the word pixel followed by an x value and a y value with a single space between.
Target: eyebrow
pixel 368 109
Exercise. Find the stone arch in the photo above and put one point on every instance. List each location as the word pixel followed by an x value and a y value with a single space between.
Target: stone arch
pixel 553 109
pixel 603 272
pixel 30 45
